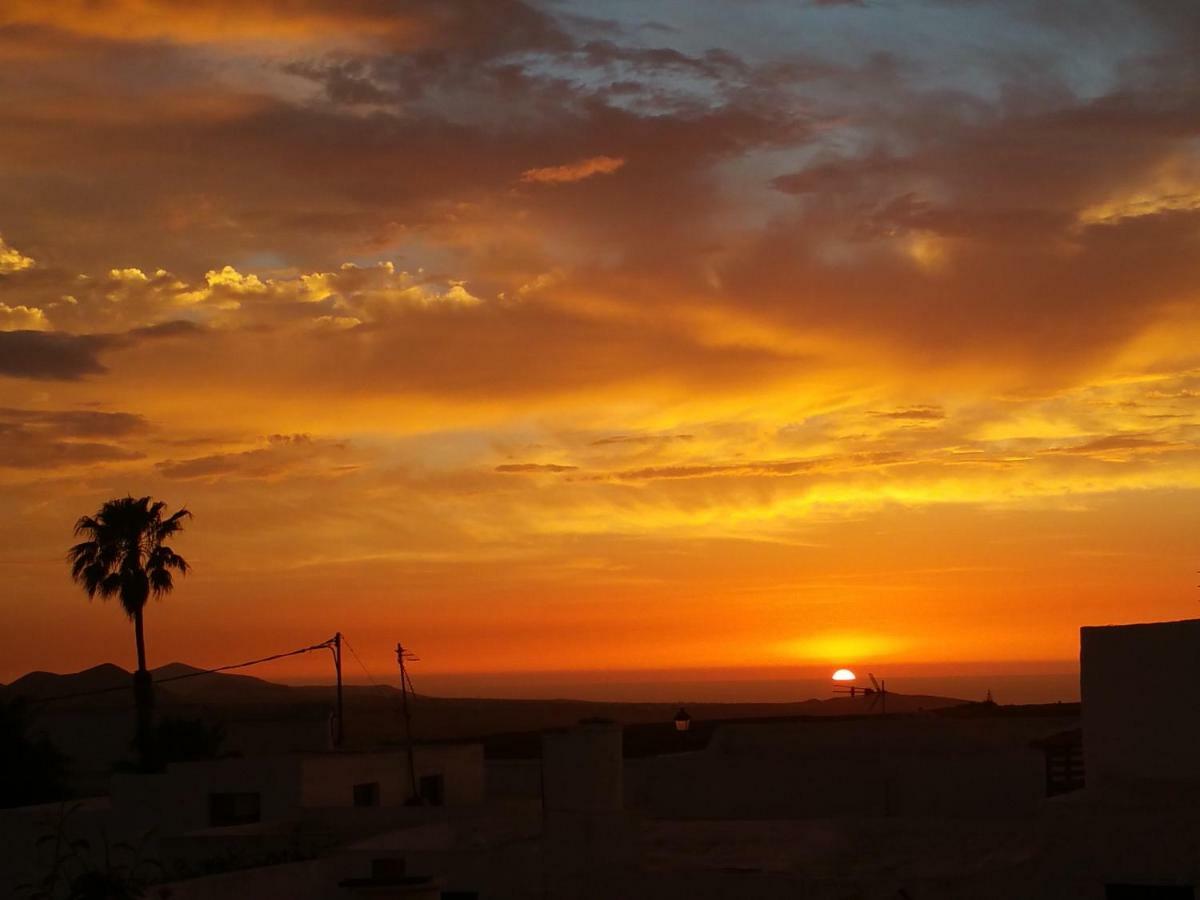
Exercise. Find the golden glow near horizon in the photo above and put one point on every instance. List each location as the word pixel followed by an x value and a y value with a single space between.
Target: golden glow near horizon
pixel 844 675
pixel 704 362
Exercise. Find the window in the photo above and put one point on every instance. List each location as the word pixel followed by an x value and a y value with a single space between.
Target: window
pixel 234 808
pixel 1064 769
pixel 1064 762
pixel 433 789
pixel 366 794
pixel 389 869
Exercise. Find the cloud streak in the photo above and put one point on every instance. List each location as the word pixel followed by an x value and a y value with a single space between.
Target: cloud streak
pixel 576 171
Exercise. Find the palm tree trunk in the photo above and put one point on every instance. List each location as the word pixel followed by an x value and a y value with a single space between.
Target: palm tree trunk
pixel 139 635
pixel 143 696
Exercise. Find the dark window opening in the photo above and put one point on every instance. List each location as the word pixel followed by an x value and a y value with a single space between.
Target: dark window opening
pixel 433 790
pixel 234 808
pixel 1065 767
pixel 388 869
pixel 366 794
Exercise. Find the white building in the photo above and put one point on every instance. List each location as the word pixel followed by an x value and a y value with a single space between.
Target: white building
pixel 222 793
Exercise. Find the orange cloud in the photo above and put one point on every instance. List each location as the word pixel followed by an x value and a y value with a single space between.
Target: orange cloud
pixel 921 348
pixel 212 20
pixel 576 171
pixel 12 260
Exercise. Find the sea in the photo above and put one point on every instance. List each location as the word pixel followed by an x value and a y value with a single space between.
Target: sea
pixel 1007 683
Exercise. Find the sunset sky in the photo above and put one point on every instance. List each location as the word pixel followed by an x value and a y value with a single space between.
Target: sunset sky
pixel 558 335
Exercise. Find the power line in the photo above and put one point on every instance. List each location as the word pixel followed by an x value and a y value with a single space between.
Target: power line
pixel 354 653
pixel 324 645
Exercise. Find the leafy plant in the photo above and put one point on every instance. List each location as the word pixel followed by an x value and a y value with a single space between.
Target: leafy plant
pixel 76 871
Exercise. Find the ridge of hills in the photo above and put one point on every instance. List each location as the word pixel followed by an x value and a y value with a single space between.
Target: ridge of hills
pixel 180 684
pixel 88 715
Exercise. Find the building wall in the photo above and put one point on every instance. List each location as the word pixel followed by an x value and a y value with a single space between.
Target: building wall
pixel 583 769
pixel 869 767
pixel 462 767
pixel 328 779
pixel 514 779
pixel 177 801
pixel 1141 711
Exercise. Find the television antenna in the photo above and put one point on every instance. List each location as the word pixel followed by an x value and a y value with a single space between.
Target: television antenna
pixel 404 655
pixel 876 695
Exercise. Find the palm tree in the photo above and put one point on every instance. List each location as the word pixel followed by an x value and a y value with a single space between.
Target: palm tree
pixel 126 556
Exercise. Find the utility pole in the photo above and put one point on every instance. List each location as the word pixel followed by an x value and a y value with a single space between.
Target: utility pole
pixel 339 733
pixel 405 684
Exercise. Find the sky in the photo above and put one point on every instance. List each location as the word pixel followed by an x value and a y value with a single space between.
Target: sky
pixel 551 336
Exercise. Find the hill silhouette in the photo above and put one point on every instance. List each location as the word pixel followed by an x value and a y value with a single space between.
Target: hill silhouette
pixel 39 685
pixel 440 717
pixel 196 685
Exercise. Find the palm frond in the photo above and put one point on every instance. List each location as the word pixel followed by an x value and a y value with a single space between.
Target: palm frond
pixel 172 524
pixel 163 557
pixel 161 582
pixel 125 553
pixel 108 584
pixel 81 555
pixel 87 525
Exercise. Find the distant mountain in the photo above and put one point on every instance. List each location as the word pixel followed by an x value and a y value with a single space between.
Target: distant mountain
pixel 43 685
pixel 105 685
pixel 435 717
pixel 198 686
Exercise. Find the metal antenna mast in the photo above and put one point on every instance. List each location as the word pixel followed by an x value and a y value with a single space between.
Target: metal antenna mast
pixel 402 656
pixel 339 731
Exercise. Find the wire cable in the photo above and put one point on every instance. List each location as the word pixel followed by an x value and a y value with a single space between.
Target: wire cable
pixel 242 665
pixel 354 653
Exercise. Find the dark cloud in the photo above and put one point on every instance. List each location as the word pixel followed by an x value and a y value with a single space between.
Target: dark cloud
pixel 51 439
pixel 785 467
pixel 766 468
pixel 522 468
pixel 913 413
pixel 641 439
pixel 75 423
pixel 23 450
pixel 283 453
pixel 435 157
pixel 933 221
pixel 995 235
pixel 1116 442
pixel 51 356
pixel 59 356
pixel 175 328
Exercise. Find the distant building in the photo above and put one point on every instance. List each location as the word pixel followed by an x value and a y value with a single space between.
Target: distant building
pixel 1141 697
pixel 223 793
